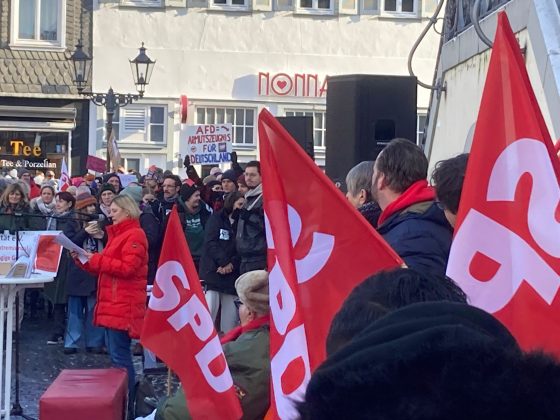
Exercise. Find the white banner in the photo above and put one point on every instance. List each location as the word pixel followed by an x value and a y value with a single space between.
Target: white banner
pixel 207 144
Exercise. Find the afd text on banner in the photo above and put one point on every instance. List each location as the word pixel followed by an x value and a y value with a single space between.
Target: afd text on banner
pixel 209 143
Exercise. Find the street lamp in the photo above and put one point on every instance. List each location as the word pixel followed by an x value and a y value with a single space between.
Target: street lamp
pixel 142 67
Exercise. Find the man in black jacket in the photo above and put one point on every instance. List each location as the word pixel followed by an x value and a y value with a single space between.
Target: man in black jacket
pixel 219 263
pixel 251 237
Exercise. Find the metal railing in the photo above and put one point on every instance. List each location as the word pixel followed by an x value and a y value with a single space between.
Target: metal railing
pixel 458 15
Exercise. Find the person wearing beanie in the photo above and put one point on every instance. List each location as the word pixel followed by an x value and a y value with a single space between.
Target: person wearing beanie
pixel 436 361
pixel 208 179
pixel 242 185
pixel 82 287
pixel 90 182
pixel 105 196
pixel 114 180
pixel 134 192
pixel 246 349
pixel 194 214
pixel 228 181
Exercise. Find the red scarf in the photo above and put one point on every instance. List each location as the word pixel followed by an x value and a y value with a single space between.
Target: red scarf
pixel 417 193
pixel 253 325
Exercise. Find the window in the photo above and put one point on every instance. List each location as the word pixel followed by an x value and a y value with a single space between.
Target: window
pixel 38 23
pixel 319 124
pixel 241 119
pixel 230 4
pixel 315 6
pixel 135 123
pixel 400 6
pixel 370 6
pixel 421 121
pixel 131 163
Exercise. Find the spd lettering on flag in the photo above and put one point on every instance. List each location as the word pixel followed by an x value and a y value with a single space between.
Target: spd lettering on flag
pixel 319 249
pixel 178 328
pixel 506 251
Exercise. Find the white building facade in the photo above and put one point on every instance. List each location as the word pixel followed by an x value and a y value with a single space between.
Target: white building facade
pixel 232 58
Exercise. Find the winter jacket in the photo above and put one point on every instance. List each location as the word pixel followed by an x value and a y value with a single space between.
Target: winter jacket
pixel 122 268
pixel 421 235
pixel 79 282
pixel 153 229
pixel 251 237
pixel 219 250
pixel 12 223
pixel 55 291
pixel 194 226
pixel 249 364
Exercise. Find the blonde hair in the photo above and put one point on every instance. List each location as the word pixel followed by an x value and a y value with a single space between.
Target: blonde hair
pixel 128 204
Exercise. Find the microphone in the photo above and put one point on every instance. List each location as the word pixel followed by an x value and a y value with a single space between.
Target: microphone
pixel 97 216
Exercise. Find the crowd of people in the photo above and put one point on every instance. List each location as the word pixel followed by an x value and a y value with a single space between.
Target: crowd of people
pixel 405 344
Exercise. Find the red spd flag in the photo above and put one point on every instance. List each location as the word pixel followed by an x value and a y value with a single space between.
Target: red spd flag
pixel 319 248
pixel 178 328
pixel 506 250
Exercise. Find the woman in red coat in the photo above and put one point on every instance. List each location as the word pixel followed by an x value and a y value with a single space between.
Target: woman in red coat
pixel 122 268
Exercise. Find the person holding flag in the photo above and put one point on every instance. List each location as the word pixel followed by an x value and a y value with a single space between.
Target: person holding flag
pixel 246 349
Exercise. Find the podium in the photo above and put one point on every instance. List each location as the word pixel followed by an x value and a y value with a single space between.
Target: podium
pixel 9 287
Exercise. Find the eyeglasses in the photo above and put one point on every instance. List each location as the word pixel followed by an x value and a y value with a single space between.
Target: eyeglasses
pixel 237 303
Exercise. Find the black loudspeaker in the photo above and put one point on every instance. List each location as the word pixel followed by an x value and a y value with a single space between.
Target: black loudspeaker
pixel 365 112
pixel 301 129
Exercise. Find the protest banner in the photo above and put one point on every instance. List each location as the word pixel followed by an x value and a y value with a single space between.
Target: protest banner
pixel 96 164
pixel 207 144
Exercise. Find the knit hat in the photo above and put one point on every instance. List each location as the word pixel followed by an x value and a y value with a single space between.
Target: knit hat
pixel 208 179
pixel 24 171
pixel 241 180
pixel 89 177
pixel 252 289
pixel 449 343
pixel 106 187
pixel 229 174
pixel 84 199
pixel 13 173
pixel 134 192
pixel 212 183
pixel 187 191
pixel 215 171
pixel 107 177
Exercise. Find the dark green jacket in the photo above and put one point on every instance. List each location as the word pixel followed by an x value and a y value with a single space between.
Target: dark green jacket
pixel 249 363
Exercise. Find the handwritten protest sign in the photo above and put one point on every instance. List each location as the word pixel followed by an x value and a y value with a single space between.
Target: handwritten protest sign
pixel 207 144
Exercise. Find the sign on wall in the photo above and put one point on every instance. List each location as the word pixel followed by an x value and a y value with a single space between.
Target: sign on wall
pixel 300 84
pixel 207 144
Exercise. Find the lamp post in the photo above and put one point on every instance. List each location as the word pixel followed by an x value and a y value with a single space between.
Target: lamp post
pixel 141 66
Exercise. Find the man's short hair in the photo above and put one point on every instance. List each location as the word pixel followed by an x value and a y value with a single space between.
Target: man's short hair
pixel 174 178
pixel 359 178
pixel 385 292
pixel 403 163
pixel 447 178
pixel 254 164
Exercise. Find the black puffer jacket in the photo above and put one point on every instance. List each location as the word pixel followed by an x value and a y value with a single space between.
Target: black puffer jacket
pixel 218 251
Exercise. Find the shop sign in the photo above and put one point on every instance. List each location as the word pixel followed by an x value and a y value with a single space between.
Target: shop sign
pixel 300 84
pixel 208 144
pixel 24 156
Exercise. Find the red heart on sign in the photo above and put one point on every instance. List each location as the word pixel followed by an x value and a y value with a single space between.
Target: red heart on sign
pixel 281 84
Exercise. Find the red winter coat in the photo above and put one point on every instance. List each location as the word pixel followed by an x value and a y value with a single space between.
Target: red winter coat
pixel 123 270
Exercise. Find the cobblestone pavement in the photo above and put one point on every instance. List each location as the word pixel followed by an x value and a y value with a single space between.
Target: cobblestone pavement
pixel 40 364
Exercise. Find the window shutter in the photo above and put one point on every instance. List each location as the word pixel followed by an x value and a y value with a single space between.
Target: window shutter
pixel 347 7
pixel 429 7
pixel 175 3
pixel 262 5
pixel 133 124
